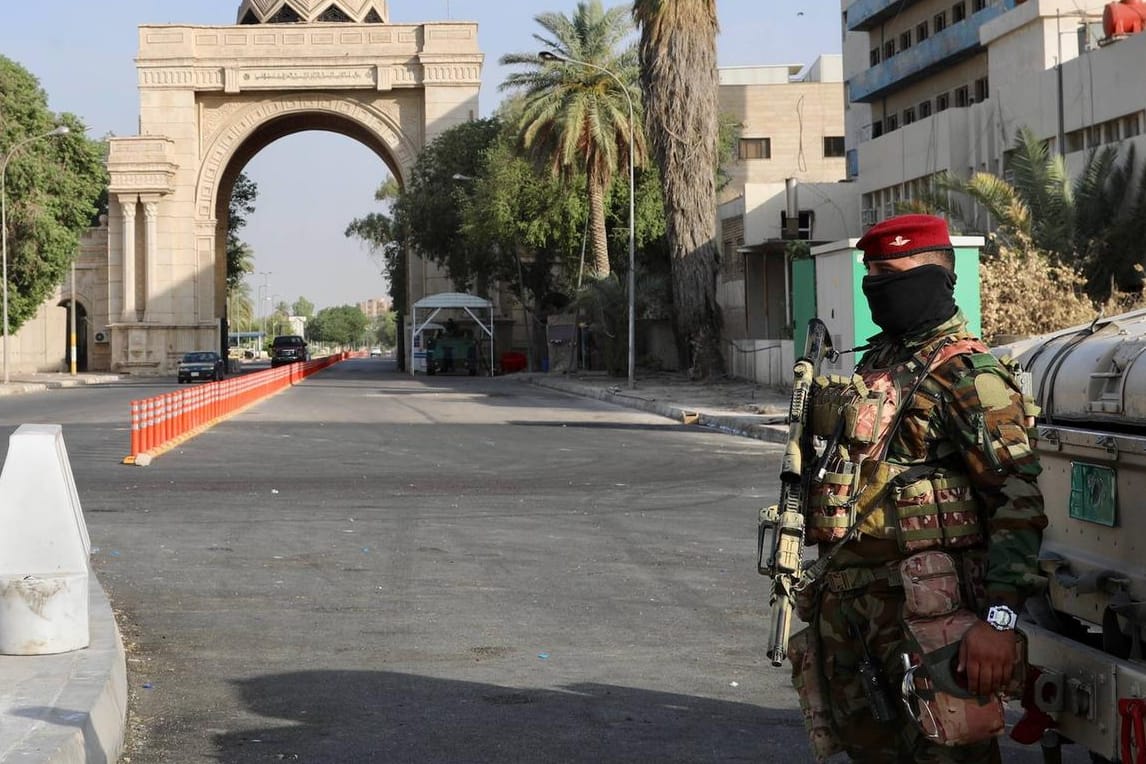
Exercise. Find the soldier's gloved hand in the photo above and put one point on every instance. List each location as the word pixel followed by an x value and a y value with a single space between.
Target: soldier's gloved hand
pixel 987 658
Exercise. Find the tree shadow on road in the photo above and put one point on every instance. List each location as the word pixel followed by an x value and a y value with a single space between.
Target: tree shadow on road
pixel 365 716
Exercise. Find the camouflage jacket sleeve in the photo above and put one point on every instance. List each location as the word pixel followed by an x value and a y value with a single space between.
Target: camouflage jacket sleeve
pixel 985 420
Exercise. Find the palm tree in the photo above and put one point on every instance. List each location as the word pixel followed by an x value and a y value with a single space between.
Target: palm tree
pixel 575 118
pixel 1095 225
pixel 680 83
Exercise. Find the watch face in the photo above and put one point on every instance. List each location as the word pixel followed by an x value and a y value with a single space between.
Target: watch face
pixel 1002 618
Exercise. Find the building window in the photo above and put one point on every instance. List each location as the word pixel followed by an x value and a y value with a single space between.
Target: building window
pixel 1075 141
pixel 874 58
pixel 891 122
pixel 905 41
pixel 888 49
pixel 939 22
pixel 958 12
pixel 925 110
pixel 942 101
pixel 962 96
pixel 834 146
pixel 876 129
pixel 1093 136
pixel 921 32
pixel 981 90
pixel 755 148
pixel 978 5
pixel 909 115
pixel 1131 126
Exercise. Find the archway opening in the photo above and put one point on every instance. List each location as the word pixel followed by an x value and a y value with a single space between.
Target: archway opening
pixel 82 330
pixel 313 178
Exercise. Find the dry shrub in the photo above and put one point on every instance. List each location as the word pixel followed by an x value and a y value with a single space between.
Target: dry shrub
pixel 1023 292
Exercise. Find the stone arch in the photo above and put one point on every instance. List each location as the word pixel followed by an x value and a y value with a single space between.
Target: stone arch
pixel 211 97
pixel 246 133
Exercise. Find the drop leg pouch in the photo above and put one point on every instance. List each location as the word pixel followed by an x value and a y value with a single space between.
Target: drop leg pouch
pixel 935 623
pixel 803 651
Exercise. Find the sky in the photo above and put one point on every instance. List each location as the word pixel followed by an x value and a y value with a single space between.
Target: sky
pixel 311 185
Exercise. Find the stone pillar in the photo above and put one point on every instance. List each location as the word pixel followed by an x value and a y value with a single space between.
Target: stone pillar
pixel 151 250
pixel 127 203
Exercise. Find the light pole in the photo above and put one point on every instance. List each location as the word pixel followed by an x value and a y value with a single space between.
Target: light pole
pixel 551 57
pixel 265 288
pixel 61 130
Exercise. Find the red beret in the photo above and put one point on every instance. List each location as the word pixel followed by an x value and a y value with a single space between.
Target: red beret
pixel 904 236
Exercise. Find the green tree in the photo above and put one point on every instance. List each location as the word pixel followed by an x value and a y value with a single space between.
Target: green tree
pixel 576 119
pixel 302 307
pixel 386 329
pixel 240 256
pixel 52 194
pixel 429 209
pixel 384 234
pixel 679 80
pixel 343 325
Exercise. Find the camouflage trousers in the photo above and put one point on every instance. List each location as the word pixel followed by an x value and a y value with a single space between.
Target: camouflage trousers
pixel 873 614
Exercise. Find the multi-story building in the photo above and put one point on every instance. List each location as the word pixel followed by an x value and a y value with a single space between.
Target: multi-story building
pixel 375 307
pixel 939 86
pixel 785 184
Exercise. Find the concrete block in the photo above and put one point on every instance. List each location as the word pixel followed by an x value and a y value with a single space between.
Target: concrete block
pixel 44 550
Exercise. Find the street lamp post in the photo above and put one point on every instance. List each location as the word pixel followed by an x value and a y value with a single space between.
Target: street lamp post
pixel 551 57
pixel 262 313
pixel 61 130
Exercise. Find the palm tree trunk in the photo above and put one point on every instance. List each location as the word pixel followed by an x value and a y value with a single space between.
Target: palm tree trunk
pixel 597 231
pixel 679 77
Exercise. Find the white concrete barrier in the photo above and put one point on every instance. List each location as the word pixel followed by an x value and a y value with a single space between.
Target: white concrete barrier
pixel 44 547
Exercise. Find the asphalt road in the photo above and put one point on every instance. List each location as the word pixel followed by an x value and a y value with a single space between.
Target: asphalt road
pixel 374 568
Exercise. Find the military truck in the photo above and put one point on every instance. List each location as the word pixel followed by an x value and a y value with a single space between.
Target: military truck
pixel 1087 636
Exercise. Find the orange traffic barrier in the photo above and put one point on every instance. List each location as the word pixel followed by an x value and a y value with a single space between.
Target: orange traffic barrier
pixel 161 422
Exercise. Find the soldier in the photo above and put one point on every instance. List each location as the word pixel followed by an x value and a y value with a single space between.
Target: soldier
pixel 951 413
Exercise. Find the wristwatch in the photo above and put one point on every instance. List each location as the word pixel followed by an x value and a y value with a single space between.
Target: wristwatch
pixel 1002 618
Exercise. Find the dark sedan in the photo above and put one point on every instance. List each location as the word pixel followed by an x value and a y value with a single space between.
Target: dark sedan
pixel 202 364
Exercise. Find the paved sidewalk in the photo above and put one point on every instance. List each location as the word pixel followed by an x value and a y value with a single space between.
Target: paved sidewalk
pixel 734 406
pixel 38 382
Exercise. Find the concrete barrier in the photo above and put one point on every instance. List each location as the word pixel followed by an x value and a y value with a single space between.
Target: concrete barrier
pixel 44 547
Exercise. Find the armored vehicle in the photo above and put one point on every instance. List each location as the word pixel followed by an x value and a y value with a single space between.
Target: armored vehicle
pixel 1087 636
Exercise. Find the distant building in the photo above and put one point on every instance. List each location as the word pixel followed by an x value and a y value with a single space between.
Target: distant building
pixel 940 86
pixel 375 307
pixel 785 184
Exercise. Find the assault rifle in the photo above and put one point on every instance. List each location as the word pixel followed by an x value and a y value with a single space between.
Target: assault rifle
pixel 781 529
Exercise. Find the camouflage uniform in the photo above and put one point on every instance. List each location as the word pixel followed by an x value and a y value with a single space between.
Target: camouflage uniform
pixel 968 416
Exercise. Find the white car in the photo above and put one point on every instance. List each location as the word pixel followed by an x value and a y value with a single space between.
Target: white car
pixel 375 352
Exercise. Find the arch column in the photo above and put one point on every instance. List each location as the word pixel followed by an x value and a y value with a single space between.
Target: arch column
pixel 150 204
pixel 128 203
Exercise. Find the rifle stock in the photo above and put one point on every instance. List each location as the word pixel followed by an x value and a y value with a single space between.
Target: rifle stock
pixel 781 527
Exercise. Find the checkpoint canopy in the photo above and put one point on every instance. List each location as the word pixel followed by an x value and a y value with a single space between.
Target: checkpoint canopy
pixel 429 307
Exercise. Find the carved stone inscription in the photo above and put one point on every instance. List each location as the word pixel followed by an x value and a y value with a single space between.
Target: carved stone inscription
pixel 325 77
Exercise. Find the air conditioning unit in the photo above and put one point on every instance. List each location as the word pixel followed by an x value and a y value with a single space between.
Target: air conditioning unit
pixel 868 216
pixel 102 337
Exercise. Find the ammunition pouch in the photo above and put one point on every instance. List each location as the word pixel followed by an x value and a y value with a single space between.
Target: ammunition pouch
pixel 804 652
pixel 935 622
pixel 937 511
pixel 850 399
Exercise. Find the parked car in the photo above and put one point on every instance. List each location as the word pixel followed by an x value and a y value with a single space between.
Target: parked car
pixel 288 348
pixel 201 364
pixel 375 352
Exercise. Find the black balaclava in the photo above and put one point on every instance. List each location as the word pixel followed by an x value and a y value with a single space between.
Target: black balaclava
pixel 908 302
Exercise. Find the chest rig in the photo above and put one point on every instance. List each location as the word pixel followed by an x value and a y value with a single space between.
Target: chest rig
pixel 859 416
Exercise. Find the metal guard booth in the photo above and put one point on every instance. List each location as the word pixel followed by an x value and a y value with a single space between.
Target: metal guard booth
pixel 427 309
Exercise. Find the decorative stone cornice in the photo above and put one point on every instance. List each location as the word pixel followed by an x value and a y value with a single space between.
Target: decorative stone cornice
pixel 142 164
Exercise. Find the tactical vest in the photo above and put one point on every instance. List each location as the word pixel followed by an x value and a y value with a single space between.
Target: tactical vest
pixel 859 416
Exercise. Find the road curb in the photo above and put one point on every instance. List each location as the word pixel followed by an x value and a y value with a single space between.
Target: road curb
pixel 72 707
pixel 743 426
pixel 20 387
